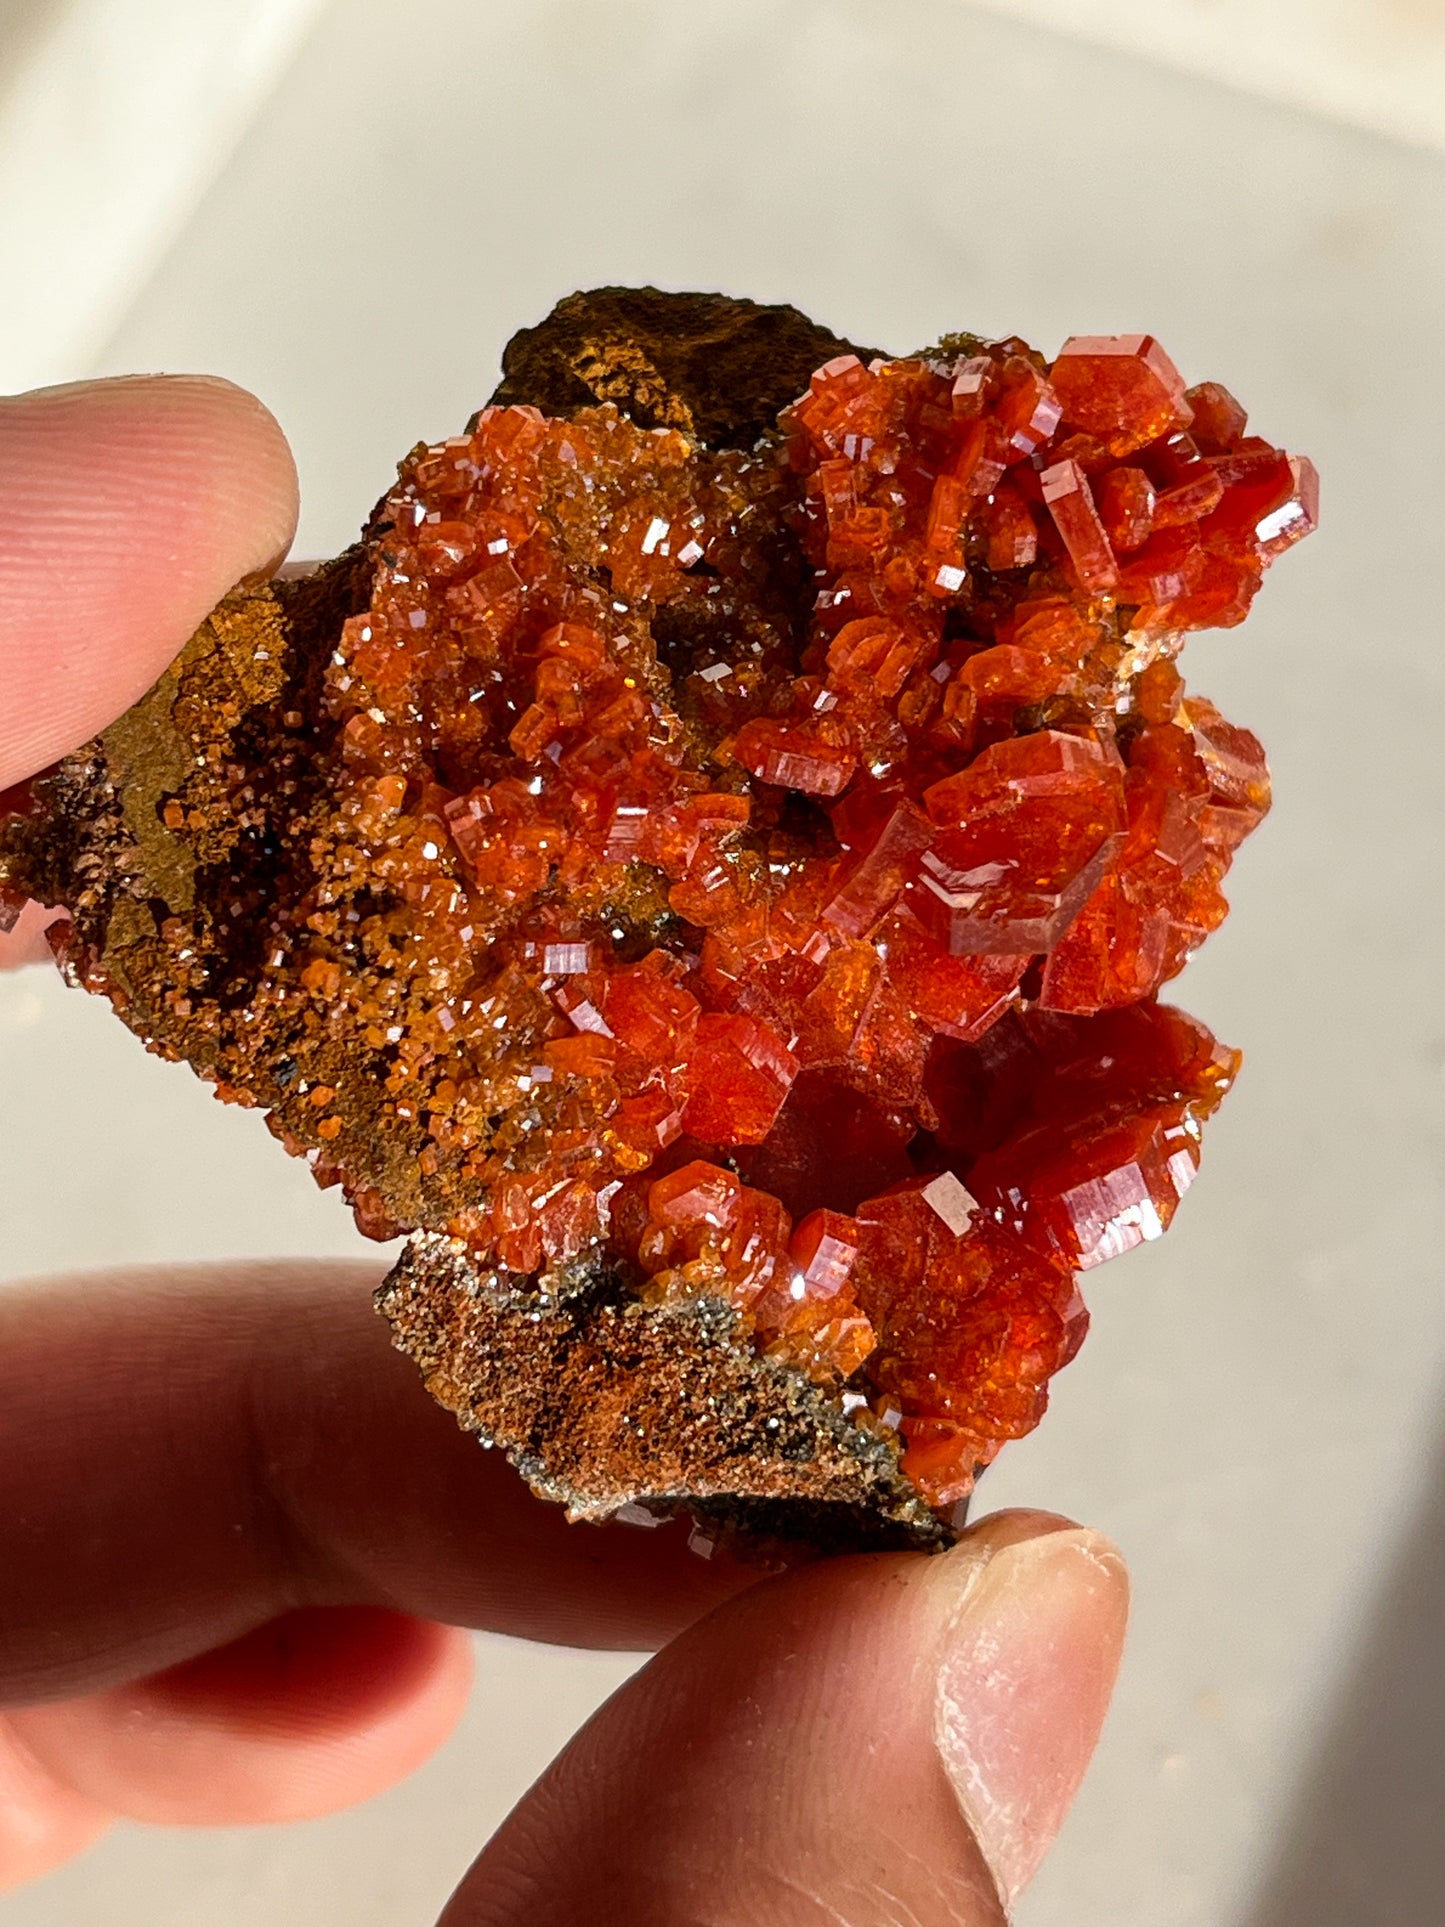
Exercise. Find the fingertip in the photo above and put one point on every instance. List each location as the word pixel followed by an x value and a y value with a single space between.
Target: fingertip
pixel 1034 1612
pixel 1008 1527
pixel 311 1713
pixel 25 942
pixel 128 508
pixel 42 1823
pixel 892 1736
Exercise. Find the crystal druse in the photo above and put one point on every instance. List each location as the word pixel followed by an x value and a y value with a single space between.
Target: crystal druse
pixel 705 866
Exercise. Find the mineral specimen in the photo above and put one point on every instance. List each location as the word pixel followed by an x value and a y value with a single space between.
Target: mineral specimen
pixel 705 866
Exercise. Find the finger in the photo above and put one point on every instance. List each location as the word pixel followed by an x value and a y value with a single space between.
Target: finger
pixel 25 941
pixel 186 1455
pixel 127 509
pixel 43 1823
pixel 871 1741
pixel 309 1714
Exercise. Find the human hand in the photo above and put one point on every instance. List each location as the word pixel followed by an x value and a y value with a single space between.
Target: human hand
pixel 237 1541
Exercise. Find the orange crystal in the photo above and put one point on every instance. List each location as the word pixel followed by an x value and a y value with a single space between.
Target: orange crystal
pixel 758 868
pixel 859 926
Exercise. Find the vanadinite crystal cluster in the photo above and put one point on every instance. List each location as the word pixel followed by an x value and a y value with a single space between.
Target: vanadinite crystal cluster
pixel 745 871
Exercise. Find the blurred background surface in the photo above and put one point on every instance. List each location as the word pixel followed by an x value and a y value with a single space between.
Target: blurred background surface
pixel 349 207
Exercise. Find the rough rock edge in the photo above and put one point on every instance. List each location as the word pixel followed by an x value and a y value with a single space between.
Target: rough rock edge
pixel 718 368
pixel 601 1401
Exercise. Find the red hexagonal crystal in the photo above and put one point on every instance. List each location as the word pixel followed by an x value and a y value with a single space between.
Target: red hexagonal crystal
pixel 1123 389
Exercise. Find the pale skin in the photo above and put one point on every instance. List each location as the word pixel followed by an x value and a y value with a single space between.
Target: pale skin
pixel 240 1547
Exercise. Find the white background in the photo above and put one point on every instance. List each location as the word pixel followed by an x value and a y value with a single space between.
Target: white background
pixel 1256 1415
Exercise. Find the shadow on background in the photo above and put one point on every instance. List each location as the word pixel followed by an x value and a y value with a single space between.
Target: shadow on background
pixel 20 23
pixel 1365 1846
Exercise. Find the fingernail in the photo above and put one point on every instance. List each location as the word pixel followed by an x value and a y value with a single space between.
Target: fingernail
pixel 1028 1665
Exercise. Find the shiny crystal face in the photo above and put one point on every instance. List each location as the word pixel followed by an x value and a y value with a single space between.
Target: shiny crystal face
pixel 756 870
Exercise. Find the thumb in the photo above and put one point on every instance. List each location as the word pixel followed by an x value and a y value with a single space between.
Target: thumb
pixel 867 1741
pixel 127 509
